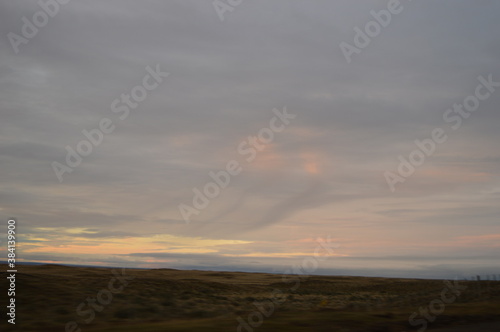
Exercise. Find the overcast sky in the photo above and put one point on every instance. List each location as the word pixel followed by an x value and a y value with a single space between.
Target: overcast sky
pixel 322 174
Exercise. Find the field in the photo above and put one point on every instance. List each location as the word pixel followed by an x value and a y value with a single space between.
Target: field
pixel 59 298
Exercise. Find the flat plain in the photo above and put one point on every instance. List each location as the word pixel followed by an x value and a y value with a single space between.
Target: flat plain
pixel 48 298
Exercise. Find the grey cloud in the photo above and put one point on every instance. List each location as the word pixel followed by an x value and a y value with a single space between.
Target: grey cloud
pixel 226 77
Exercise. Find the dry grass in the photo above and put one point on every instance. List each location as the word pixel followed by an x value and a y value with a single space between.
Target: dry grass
pixel 174 300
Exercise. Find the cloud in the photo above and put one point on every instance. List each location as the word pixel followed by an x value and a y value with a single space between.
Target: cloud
pixel 322 175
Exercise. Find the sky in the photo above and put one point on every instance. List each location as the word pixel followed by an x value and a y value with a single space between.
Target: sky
pixel 309 124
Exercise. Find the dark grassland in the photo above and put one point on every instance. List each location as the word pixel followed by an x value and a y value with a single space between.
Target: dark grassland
pixel 173 300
